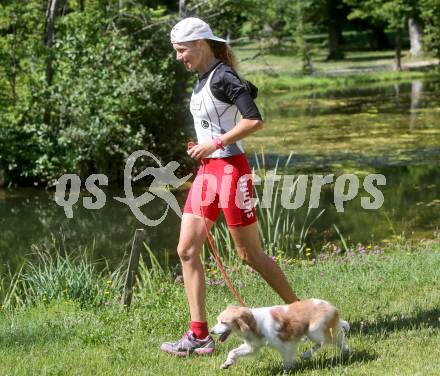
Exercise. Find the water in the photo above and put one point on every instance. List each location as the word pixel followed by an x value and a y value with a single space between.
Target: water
pixel 391 130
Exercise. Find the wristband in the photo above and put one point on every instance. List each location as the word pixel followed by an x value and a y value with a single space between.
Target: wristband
pixel 218 143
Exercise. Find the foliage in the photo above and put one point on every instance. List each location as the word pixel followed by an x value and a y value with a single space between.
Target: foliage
pixel 430 13
pixel 394 12
pixel 113 90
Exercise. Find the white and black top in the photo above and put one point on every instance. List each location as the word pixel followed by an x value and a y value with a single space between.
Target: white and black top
pixel 219 100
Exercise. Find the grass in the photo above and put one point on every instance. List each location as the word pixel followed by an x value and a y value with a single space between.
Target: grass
pixel 390 298
pixel 279 69
pixel 285 82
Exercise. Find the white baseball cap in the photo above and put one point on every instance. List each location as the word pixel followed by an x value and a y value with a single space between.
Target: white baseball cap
pixel 190 29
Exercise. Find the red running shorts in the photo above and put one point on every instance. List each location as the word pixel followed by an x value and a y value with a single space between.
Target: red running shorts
pixel 223 184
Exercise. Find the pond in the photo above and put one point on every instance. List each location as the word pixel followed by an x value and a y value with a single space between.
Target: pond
pixel 392 130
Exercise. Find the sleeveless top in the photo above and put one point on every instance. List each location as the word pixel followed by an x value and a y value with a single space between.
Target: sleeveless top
pixel 212 118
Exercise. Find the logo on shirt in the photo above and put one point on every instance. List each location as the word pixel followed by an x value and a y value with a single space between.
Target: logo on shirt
pixel 205 124
pixel 196 103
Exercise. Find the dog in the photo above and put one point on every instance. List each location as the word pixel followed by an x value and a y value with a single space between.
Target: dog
pixel 282 327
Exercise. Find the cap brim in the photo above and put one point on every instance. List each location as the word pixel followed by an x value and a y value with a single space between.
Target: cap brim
pixel 217 39
pixel 192 39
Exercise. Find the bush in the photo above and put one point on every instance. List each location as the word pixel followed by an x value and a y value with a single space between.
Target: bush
pixel 113 91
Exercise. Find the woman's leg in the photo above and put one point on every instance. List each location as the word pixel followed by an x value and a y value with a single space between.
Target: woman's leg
pixel 248 244
pixel 198 340
pixel 192 237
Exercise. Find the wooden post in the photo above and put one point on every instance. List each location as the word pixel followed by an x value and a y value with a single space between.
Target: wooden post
pixel 130 279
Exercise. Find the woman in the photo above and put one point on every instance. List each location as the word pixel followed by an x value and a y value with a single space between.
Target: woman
pixel 223 182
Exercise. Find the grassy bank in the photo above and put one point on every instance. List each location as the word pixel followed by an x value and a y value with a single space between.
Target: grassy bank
pixel 278 69
pixel 267 83
pixel 390 297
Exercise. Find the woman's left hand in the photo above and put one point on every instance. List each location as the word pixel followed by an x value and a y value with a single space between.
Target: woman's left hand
pixel 200 151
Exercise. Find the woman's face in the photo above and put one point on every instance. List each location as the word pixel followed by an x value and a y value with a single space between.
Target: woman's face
pixel 189 53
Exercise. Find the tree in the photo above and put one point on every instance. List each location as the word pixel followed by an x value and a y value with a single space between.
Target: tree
pixel 227 17
pixel 110 88
pixel 430 14
pixel 395 13
pixel 332 14
pixel 300 31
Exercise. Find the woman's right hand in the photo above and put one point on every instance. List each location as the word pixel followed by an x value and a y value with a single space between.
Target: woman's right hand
pixel 189 145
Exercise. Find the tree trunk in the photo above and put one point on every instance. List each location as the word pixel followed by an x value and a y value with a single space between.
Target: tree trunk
pixel 49 37
pixel 334 34
pixel 415 36
pixel 380 39
pixel 182 9
pixel 398 50
pixel 64 7
pixel 15 62
pixel 307 66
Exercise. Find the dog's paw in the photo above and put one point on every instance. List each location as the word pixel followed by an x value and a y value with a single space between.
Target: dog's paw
pixel 225 365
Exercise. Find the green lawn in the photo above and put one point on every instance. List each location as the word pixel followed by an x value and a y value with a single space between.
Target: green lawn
pixel 258 58
pixel 391 300
pixel 279 69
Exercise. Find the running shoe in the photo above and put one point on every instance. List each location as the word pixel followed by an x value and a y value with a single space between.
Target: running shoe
pixel 189 344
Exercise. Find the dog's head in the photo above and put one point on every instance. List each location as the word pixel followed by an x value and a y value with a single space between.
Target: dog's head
pixel 234 319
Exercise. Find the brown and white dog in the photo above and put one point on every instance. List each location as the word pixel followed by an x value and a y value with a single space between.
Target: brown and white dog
pixel 282 327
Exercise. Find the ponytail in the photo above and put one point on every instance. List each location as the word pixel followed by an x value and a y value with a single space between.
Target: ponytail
pixel 223 52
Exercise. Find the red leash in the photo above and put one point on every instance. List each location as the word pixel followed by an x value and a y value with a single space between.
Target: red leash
pixel 211 242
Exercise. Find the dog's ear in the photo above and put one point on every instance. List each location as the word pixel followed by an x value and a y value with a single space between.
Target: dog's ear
pixel 242 325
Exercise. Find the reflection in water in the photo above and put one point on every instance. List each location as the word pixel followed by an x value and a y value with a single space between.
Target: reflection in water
pixel 391 130
pixel 369 127
pixel 397 92
pixel 416 94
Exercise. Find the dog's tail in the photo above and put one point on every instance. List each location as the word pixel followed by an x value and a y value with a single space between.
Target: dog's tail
pixel 344 325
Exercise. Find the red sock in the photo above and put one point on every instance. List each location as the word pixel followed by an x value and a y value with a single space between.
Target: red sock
pixel 199 329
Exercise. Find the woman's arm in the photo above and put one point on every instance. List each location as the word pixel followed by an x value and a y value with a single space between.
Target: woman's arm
pixel 242 129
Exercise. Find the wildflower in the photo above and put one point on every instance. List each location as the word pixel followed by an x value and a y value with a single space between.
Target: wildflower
pixel 106 292
pixel 109 282
pixel 321 274
pixel 369 247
